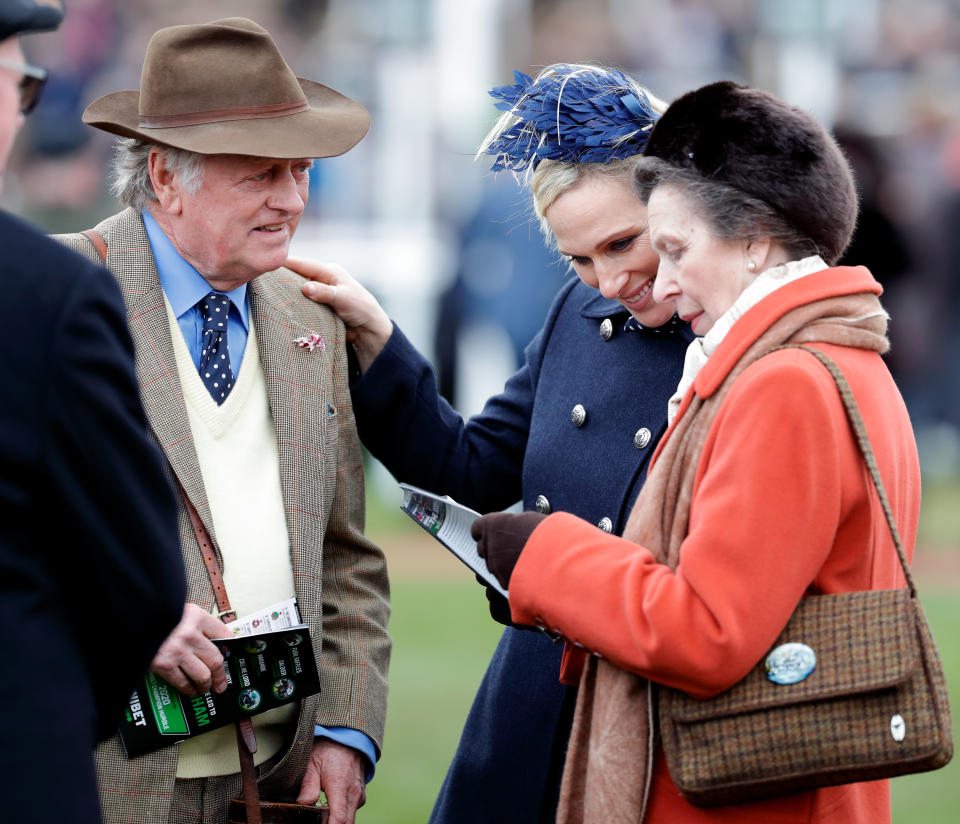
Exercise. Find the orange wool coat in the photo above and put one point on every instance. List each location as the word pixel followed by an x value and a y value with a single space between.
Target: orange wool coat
pixel 782 507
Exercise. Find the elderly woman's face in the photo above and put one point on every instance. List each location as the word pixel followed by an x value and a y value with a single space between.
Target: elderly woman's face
pixel 704 274
pixel 602 228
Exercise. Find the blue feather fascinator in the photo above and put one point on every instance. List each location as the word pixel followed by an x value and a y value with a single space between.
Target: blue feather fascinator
pixel 571 113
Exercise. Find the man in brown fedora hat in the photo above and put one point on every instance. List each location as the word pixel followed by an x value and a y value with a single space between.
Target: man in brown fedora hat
pixel 245 385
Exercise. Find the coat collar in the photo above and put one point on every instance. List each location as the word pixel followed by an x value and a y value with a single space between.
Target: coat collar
pixel 597 307
pixel 835 282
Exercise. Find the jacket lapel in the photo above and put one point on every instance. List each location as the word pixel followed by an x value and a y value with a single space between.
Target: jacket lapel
pixel 297 394
pixel 130 258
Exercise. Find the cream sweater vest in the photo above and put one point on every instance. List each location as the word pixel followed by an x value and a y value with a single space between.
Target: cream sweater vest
pixel 237 449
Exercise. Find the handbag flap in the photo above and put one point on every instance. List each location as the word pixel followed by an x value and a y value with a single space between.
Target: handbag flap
pixel 863 641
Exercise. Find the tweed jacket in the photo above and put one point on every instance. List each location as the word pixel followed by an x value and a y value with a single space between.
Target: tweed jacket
pixel 339 576
pixel 782 507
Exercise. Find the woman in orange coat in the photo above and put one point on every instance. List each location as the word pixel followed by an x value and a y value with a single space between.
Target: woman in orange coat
pixel 758 495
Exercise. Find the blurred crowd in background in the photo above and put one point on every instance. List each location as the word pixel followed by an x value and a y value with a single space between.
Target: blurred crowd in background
pixel 451 249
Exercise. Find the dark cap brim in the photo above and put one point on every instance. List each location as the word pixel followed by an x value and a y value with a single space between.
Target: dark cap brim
pixel 25 16
pixel 332 125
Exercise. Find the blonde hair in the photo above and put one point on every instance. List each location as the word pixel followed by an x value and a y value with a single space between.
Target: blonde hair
pixel 552 178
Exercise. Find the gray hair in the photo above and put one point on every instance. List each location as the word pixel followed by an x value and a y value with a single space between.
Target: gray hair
pixel 130 171
pixel 730 212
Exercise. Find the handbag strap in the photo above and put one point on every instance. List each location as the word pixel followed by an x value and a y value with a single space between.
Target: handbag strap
pixel 246 737
pixel 856 423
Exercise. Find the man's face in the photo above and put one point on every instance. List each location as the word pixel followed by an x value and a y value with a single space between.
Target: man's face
pixel 10 118
pixel 241 220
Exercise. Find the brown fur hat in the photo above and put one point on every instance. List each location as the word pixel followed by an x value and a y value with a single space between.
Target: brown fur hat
pixel 753 141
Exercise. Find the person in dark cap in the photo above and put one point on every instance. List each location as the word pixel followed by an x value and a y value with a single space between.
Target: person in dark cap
pixel 21 17
pixel 758 493
pixel 244 384
pixel 91 580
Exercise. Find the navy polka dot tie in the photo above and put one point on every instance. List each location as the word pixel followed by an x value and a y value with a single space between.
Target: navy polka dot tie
pixel 215 371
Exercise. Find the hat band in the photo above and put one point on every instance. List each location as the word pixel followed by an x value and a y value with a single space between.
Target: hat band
pixel 171 121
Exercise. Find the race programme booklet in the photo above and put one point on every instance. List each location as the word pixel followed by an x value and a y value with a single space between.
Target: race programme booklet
pixel 269 662
pixel 448 522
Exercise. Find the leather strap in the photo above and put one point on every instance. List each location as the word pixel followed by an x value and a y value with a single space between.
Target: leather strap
pixel 248 772
pixel 210 561
pixel 246 737
pixel 98 243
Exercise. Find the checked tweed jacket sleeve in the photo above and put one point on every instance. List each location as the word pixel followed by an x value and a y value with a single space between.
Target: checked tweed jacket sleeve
pixel 339 575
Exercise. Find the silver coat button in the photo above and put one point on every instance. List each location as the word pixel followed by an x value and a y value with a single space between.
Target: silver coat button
pixel 605 524
pixel 542 505
pixel 578 415
pixel 606 329
pixel 642 438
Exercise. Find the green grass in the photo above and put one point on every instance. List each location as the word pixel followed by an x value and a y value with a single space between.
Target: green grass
pixel 934 797
pixel 940 515
pixel 443 639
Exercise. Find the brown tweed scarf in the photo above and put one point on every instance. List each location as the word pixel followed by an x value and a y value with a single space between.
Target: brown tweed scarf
pixel 609 760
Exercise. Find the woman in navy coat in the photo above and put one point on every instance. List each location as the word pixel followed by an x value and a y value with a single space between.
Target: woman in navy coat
pixel 572 430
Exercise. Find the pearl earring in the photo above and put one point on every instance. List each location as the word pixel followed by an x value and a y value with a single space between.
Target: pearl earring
pixel 751 266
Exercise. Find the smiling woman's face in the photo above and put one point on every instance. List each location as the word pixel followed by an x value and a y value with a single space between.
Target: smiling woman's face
pixel 602 228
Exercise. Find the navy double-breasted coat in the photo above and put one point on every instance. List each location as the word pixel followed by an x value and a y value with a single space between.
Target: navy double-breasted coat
pixel 573 430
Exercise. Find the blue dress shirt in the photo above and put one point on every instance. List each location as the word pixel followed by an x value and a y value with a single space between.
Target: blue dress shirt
pixel 184 287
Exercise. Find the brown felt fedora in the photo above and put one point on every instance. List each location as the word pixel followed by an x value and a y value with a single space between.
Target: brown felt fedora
pixel 223 88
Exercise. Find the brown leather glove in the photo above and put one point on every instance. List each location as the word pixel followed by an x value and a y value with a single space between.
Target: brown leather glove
pixel 499 606
pixel 500 537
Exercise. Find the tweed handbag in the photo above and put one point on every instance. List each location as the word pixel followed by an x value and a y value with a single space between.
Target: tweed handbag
pixel 852 690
